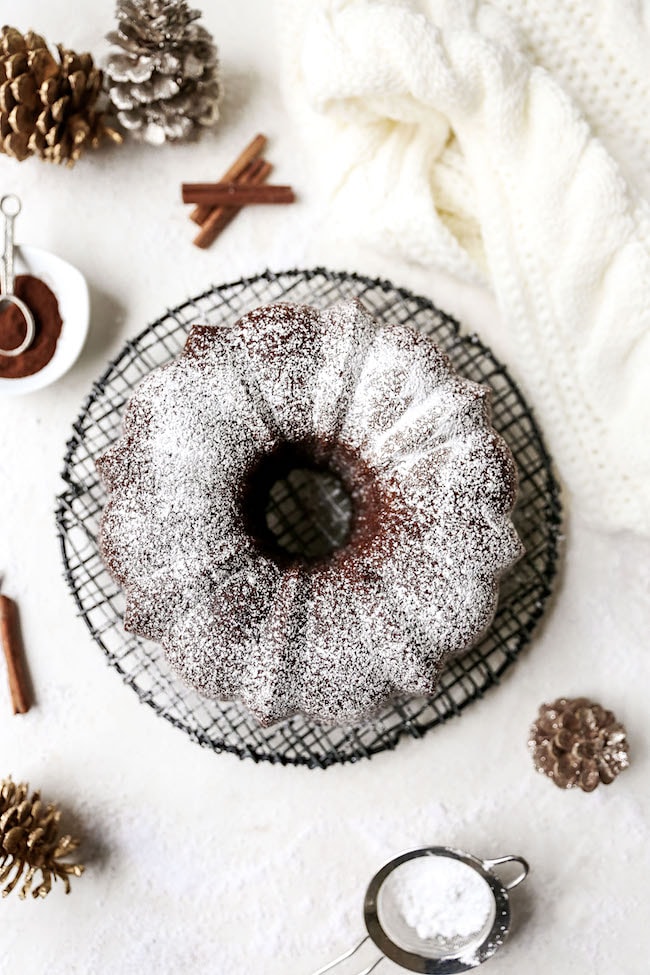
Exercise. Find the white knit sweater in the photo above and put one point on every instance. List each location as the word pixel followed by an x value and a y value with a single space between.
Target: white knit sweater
pixel 455 133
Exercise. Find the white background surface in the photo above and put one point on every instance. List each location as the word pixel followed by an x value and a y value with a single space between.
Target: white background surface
pixel 201 863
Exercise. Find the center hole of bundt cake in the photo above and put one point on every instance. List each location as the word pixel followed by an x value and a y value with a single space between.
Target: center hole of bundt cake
pixel 297 506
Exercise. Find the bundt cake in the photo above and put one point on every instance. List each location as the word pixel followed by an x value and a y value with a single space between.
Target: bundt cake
pixel 431 488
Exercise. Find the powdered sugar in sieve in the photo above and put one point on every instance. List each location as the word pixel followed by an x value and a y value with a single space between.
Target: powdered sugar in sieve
pixel 437 910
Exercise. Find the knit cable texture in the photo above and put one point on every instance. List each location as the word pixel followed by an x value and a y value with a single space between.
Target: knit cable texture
pixel 448 143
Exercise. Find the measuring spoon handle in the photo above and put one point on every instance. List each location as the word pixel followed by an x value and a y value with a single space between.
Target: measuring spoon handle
pixel 10 206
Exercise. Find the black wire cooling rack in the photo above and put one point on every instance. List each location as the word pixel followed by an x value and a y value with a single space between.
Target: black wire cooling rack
pixel 227 726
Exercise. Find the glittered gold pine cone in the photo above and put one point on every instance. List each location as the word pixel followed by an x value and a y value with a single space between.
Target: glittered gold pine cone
pixel 48 106
pixel 30 844
pixel 578 743
pixel 163 77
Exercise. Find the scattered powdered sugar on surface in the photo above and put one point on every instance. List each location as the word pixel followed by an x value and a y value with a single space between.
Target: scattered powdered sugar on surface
pixel 441 898
pixel 432 487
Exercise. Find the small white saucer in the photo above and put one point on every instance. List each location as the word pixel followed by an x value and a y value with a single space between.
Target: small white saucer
pixel 71 290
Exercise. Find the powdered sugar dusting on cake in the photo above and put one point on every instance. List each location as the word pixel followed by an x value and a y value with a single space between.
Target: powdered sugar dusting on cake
pixel 432 488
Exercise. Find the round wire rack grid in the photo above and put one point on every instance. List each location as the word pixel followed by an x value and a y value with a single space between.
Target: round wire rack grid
pixel 229 727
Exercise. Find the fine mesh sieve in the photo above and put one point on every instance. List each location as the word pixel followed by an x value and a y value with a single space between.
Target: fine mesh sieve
pixel 425 953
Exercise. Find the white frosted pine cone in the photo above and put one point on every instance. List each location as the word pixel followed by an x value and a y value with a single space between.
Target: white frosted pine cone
pixel 163 81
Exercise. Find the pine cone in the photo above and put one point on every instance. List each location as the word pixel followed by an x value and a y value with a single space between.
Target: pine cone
pixel 30 842
pixel 578 743
pixel 48 107
pixel 164 82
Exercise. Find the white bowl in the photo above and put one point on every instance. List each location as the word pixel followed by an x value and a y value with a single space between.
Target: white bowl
pixel 71 290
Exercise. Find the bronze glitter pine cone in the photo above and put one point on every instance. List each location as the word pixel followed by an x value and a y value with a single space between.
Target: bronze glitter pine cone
pixel 48 107
pixel 30 843
pixel 576 742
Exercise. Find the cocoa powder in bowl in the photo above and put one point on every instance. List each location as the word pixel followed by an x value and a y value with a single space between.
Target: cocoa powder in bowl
pixel 43 304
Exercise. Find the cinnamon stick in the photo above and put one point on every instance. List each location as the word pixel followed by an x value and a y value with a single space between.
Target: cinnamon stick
pixel 254 149
pixel 235 194
pixel 13 651
pixel 220 217
pixel 249 173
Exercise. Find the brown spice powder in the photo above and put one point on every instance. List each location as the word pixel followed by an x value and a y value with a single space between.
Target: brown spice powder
pixel 44 306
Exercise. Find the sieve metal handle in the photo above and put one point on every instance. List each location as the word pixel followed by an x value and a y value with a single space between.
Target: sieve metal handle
pixel 510 858
pixel 348 954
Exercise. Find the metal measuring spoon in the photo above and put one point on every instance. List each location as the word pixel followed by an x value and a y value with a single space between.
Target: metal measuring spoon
pixel 404 947
pixel 10 206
